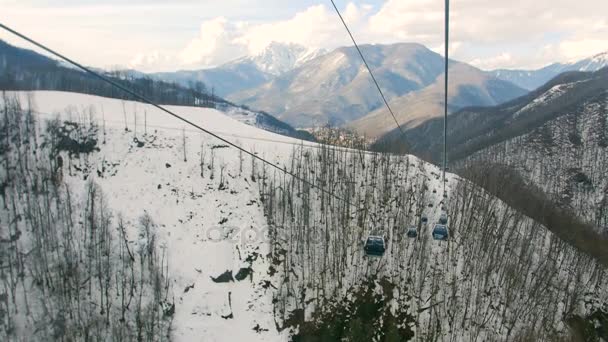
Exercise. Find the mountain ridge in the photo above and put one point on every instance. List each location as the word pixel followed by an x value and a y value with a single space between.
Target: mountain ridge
pixel 532 79
pixel 247 71
pixel 468 86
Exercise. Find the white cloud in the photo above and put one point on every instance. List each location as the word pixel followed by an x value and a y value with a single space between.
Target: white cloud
pixel 217 42
pixel 314 27
pixel 503 60
pixel 577 49
pixel 221 40
pixel 500 34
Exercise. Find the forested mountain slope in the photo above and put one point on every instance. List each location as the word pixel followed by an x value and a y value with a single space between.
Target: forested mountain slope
pixel 567 157
pixel 556 137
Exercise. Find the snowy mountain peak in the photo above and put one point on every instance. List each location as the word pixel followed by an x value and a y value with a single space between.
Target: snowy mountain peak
pixel 278 58
pixel 594 63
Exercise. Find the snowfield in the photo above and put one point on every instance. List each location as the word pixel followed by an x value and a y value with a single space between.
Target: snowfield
pixel 236 278
pixel 188 209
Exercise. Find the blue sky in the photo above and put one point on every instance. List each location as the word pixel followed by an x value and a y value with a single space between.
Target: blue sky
pixel 154 35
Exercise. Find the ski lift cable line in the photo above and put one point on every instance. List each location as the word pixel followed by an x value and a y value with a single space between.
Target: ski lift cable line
pixel 445 100
pixel 369 69
pixel 169 112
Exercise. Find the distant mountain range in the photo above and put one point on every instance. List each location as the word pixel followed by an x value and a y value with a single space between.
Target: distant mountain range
pixel 337 88
pixel 246 72
pixel 532 79
pixel 308 88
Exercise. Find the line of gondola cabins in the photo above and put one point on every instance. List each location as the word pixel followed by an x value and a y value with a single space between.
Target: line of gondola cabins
pixel 375 244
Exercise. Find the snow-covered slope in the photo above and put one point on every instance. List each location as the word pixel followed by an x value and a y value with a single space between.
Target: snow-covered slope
pixel 200 218
pixel 278 58
pixel 594 63
pixel 293 254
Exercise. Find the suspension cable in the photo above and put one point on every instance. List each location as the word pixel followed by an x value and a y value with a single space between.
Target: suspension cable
pixel 369 70
pixel 445 100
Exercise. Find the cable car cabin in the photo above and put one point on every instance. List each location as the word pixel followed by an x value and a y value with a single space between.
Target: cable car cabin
pixel 375 245
pixel 440 232
pixel 412 232
pixel 443 218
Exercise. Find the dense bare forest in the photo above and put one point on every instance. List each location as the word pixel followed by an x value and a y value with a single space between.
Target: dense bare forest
pixel 566 157
pixel 68 269
pixel 500 277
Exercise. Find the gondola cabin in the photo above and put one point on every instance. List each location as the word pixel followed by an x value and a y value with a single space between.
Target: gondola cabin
pixel 440 232
pixel 443 218
pixel 412 232
pixel 375 245
pixel 424 219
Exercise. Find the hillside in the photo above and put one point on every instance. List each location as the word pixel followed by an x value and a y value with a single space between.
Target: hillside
pixel 467 86
pixel 532 79
pixel 247 253
pixel 555 137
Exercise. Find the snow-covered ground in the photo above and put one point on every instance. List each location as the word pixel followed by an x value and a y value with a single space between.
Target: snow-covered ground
pixel 199 223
